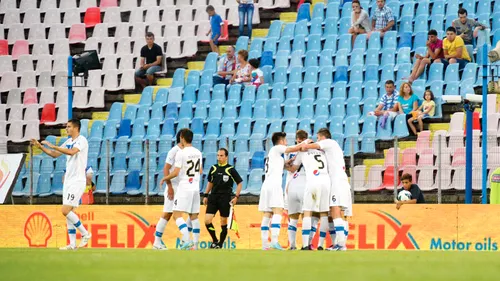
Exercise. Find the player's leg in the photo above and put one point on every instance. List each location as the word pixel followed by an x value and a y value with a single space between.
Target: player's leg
pixel 209 216
pixel 324 205
pixel 333 234
pixel 223 232
pixel 181 205
pixel 275 227
pixel 224 209
pixel 71 199
pixel 264 229
pixel 195 222
pixel 160 229
pixel 71 235
pixel 306 229
pixel 323 229
pixel 292 230
pixel 314 226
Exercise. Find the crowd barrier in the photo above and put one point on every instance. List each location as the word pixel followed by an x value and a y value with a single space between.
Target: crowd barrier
pixel 374 227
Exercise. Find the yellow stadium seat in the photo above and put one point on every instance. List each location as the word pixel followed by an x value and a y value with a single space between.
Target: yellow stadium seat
pixel 132 98
pixel 164 82
pixel 259 32
pixel 288 17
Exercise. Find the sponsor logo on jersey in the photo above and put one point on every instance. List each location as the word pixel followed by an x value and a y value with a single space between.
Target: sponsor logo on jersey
pixel 316 172
pixel 191 180
pixel 295 175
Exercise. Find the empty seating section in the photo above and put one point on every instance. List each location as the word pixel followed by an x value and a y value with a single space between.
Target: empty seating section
pixel 315 76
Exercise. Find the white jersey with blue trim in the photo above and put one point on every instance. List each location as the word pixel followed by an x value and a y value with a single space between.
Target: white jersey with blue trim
pixel 190 161
pixel 171 160
pixel 76 165
pixel 275 163
pixel 298 178
pixel 314 162
pixel 335 159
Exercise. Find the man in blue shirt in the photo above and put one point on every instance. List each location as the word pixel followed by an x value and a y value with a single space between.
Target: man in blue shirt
pixel 215 29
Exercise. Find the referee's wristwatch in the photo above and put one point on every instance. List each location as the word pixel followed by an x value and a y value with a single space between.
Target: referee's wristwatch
pixel 205 195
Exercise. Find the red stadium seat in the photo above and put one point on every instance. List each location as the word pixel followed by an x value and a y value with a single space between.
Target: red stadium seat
pixel 388 180
pixel 4 48
pixel 409 157
pixel 225 32
pixel 108 3
pixel 48 113
pixel 30 96
pixel 21 47
pixel 77 33
pixel 92 17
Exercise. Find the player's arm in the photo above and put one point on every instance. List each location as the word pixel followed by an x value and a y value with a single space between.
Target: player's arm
pixel 311 146
pixel 61 150
pixel 170 176
pixel 294 148
pixel 49 152
pixel 170 188
pixel 401 203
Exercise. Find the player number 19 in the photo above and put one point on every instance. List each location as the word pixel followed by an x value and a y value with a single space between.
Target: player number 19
pixel 71 196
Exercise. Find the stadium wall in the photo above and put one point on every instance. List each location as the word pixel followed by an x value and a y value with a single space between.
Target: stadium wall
pixel 374 227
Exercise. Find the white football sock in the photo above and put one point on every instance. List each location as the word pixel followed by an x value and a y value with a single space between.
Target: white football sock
pixel 71 233
pixel 196 231
pixel 333 235
pixel 306 230
pixel 339 230
pixel 292 232
pixel 73 218
pixel 323 229
pixel 189 224
pixel 264 231
pixel 181 224
pixel 275 228
pixel 314 226
pixel 160 228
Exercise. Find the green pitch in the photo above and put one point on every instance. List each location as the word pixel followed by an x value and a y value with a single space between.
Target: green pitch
pixel 207 265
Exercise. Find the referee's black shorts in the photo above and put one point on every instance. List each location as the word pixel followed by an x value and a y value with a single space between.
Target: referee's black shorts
pixel 219 202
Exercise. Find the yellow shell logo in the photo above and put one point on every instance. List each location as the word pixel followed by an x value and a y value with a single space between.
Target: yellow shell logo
pixel 4 173
pixel 38 230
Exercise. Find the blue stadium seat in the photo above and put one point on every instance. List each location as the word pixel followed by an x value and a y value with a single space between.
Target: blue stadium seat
pixel 213 128
pixel 470 72
pixel 204 93
pixel 26 190
pixel 157 111
pixel 311 58
pixel 18 188
pixel 316 27
pixel 308 91
pixel 288 30
pixel 356 74
pixel 372 57
pixel 332 10
pixel 278 92
pixel 319 123
pixel 175 95
pixel 183 124
pixel 437 88
pixel 133 183
pixel 245 110
pixel 357 58
pixel 189 93
pixel 270 45
pixel 185 112
pixel 325 74
pixel 153 187
pixel 451 73
pixel 47 165
pixel 260 110
pixel 255 179
pixel 345 42
pixel 314 43
pixel 351 126
pixel 115 113
pixel 259 130
pixel 339 90
pixel 207 78
pixel 211 60
pixel 94 147
pixel 438 8
pixel 340 74
pixel 435 73
pixel 201 109
pixel 292 92
pixel 110 130
pixel 495 25
pixel 353 108
pixel 299 43
pixel 249 93
pixel 324 91
pixel 452 89
pixel 97 129
pixel 230 109
pixel 351 146
pixel 244 126
pixel 318 11
pixel 322 109
pixel 57 182
pixel 171 111
pixel 356 90
pixel 437 22
pixel 388 58
pixel 256 145
pixel 306 108
pixel 138 130
pixel 282 59
pixel 209 161
pixel 408 9
pixel 420 41
pixel 291 110
pixel 136 147
pixel 215 111
pixel 403 56
pixel 470 6
pixel 295 75
pixel 341 58
pixel 331 28
pixel 370 90
pixel 337 129
pixel 268 74
pixel 241 144
pixel 242 164
pixel 283 44
pixel 404 70
pixel 130 112
pixel 241 43
pixel 135 163
pixel 374 41
pixel 101 183
pixel 405 40
pixel 84 131
pixel 161 96
pixel 273 109
pixel 369 126
pixel 368 144
pixel 210 144
pixel 147 96
pixel 385 133
pixel 325 58
pixel 262 92
pixel 423 8
pixel 276 126
pixel 291 127
pixel 406 25
pixel 360 43
pixel 280 75
pixel 168 128
pixel 337 108
pixel 310 75
pixel 219 92
pixel 390 41
pixel 305 124
pixel 119 165
pixel 154 130
pixel 400 127
pixel 387 74
pixel 178 78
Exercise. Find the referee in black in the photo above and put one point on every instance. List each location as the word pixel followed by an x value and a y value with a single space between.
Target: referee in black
pixel 218 195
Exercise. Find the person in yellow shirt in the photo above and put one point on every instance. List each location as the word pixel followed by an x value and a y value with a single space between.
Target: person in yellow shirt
pixel 454 49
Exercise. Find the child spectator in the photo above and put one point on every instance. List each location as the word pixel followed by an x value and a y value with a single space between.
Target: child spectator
pixel 416 194
pixel 426 109
pixel 215 29
pixel 257 76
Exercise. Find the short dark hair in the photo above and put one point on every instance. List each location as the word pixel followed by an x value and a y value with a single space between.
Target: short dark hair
pixel 210 8
pixel 301 134
pixel 389 82
pixel 356 2
pixel 462 11
pixel 178 137
pixel 254 63
pixel 76 123
pixel 150 34
pixel 325 133
pixel 225 151
pixel 432 32
pixel 187 135
pixel 451 29
pixel 407 177
pixel 277 137
pixel 244 54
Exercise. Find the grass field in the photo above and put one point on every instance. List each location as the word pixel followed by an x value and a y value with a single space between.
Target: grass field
pixel 118 265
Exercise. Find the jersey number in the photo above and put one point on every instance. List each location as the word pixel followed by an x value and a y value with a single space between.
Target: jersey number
pixel 192 166
pixel 71 196
pixel 318 158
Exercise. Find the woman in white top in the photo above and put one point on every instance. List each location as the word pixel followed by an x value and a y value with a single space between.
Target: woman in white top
pixel 360 21
pixel 242 72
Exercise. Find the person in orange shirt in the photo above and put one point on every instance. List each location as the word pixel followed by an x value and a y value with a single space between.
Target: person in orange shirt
pixel 454 49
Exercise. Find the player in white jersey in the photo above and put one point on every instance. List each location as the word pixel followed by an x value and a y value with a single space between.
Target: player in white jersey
pixel 317 193
pixel 188 169
pixel 294 193
pixel 170 190
pixel 271 201
pixel 75 180
pixel 340 192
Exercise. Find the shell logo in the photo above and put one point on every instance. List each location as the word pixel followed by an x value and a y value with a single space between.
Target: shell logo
pixel 4 173
pixel 38 230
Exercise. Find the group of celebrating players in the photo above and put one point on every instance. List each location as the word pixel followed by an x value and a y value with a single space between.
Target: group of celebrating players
pixel 317 187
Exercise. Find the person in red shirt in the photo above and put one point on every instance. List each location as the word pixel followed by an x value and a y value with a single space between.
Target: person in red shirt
pixel 434 51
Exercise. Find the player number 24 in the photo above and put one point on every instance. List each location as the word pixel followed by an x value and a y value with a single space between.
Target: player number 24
pixel 192 166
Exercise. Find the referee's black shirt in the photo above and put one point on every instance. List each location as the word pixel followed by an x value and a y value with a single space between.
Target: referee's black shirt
pixel 223 178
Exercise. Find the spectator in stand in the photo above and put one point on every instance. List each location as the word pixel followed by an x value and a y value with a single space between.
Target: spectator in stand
pixel 407 101
pixel 360 20
pixel 386 103
pixel 215 29
pixel 434 51
pixel 425 110
pixel 151 56
pixel 257 76
pixel 466 28
pixel 454 49
pixel 417 197
pixel 227 65
pixel 242 72
pixel 245 10
pixel 382 20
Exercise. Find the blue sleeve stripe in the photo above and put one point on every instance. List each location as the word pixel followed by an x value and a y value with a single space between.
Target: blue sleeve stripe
pixel 78 223
pixel 182 226
pixel 264 228
pixel 322 234
pixel 275 225
pixel 196 230
pixel 292 228
pixel 158 234
pixel 71 231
